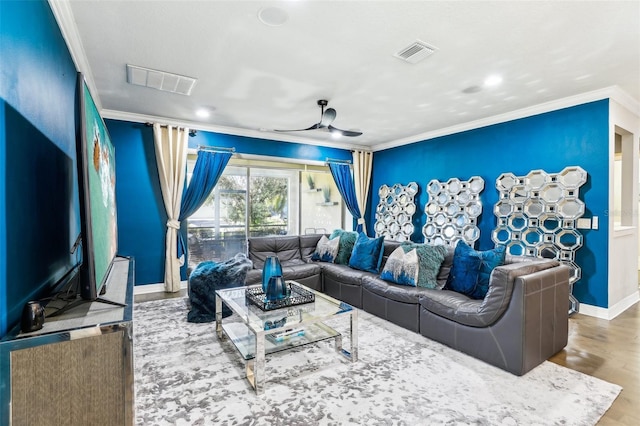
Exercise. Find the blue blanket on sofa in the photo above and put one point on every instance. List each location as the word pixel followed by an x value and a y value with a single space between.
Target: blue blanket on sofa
pixel 210 276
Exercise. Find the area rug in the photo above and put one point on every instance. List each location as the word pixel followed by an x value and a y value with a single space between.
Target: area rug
pixel 185 376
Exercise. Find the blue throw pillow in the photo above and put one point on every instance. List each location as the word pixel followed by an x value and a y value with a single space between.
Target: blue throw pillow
pixel 490 259
pixel 471 269
pixel 367 253
pixel 402 268
pixel 463 276
pixel 326 249
pixel 347 240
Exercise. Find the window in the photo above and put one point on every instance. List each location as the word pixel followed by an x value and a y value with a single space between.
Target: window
pixel 259 198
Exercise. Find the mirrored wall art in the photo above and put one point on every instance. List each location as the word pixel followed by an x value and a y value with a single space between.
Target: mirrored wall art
pixel 394 214
pixel 537 215
pixel 452 211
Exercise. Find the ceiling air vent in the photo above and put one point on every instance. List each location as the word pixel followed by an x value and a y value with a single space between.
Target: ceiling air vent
pixel 415 52
pixel 165 81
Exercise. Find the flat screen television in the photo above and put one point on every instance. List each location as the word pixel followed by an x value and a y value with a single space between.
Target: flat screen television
pixel 97 182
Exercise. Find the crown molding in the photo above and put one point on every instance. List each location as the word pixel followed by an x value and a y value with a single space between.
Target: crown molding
pixel 612 92
pixel 234 131
pixel 66 22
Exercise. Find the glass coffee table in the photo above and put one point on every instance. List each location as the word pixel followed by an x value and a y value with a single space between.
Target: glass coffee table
pixel 257 333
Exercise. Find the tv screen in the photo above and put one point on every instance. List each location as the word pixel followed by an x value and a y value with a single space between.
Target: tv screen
pixel 97 181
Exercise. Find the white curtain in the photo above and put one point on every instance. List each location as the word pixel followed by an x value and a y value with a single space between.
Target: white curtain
pixel 362 161
pixel 171 155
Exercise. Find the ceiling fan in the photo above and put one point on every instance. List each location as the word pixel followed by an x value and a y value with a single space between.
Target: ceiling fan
pixel 326 118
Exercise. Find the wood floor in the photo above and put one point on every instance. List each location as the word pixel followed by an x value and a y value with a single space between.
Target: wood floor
pixel 609 350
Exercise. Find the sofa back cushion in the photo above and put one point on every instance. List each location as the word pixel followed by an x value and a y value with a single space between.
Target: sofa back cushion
pixel 287 248
pixel 308 245
pixel 445 268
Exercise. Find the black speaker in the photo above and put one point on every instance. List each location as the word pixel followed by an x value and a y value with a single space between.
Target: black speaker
pixel 32 317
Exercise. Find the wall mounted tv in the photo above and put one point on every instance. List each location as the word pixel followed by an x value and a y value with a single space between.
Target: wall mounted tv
pixel 97 180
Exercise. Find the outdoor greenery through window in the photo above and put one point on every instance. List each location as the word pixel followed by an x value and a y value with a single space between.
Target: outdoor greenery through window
pixel 260 198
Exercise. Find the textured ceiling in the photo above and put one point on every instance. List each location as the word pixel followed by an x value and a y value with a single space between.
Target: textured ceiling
pixel 253 76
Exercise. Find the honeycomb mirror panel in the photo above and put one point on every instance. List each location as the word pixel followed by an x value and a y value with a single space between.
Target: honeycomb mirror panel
pixel 452 211
pixel 394 213
pixel 537 215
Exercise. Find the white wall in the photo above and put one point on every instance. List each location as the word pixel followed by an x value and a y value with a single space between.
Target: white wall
pixel 624 118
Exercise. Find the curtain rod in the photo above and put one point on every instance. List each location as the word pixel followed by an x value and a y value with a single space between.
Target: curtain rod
pixel 215 148
pixel 192 132
pixel 333 160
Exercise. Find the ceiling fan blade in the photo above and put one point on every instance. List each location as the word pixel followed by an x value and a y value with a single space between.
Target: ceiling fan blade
pixel 350 133
pixel 327 117
pixel 315 126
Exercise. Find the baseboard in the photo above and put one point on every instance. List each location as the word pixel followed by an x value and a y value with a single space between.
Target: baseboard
pixel 612 312
pixel 154 288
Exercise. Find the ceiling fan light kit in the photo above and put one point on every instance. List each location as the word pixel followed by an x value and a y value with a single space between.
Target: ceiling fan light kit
pixel 326 118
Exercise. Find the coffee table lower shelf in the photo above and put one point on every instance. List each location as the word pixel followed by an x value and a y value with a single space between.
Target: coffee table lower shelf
pixel 245 341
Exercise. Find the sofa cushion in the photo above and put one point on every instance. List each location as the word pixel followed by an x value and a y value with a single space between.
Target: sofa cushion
pixel 326 250
pixel 343 273
pixel 399 293
pixel 445 268
pixel 308 245
pixel 285 247
pixel 347 241
pixel 367 253
pixel 303 270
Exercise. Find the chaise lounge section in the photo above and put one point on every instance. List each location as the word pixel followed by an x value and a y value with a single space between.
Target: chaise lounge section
pixel 522 321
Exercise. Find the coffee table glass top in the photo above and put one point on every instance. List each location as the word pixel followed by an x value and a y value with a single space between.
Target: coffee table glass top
pixel 323 308
pixel 268 325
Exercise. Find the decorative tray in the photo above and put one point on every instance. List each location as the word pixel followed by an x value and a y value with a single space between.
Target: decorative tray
pixel 298 296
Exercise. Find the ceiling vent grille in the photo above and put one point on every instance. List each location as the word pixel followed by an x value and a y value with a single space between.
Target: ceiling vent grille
pixel 160 80
pixel 415 52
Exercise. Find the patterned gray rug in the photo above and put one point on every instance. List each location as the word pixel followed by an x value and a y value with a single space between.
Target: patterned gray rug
pixel 184 376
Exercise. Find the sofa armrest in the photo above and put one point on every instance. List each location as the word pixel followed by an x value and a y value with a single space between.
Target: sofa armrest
pixel 501 284
pixel 483 313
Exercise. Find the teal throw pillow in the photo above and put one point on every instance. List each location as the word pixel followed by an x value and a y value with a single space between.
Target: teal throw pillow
pixel 367 253
pixel 402 268
pixel 430 259
pixel 326 249
pixel 347 241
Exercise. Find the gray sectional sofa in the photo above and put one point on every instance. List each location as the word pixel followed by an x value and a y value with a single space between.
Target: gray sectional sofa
pixel 522 321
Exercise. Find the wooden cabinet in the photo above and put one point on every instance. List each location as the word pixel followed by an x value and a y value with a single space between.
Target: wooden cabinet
pixel 78 369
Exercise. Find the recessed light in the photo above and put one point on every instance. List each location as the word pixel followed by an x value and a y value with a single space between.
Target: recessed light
pixel 493 80
pixel 203 113
pixel 272 16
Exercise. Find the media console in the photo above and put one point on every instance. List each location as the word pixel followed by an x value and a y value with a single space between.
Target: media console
pixel 77 369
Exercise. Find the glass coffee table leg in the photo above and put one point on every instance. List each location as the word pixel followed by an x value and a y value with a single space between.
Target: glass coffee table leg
pixel 338 343
pixel 219 316
pixel 354 335
pixel 255 367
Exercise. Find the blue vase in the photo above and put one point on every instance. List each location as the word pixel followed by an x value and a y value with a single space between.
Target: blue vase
pixel 276 289
pixel 271 268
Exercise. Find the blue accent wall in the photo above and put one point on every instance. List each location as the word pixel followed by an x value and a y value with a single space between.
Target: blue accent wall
pixel 39 215
pixel 141 213
pixel 576 136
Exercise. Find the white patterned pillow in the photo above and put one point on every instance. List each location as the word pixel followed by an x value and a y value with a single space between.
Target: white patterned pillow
pixel 402 268
pixel 326 249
